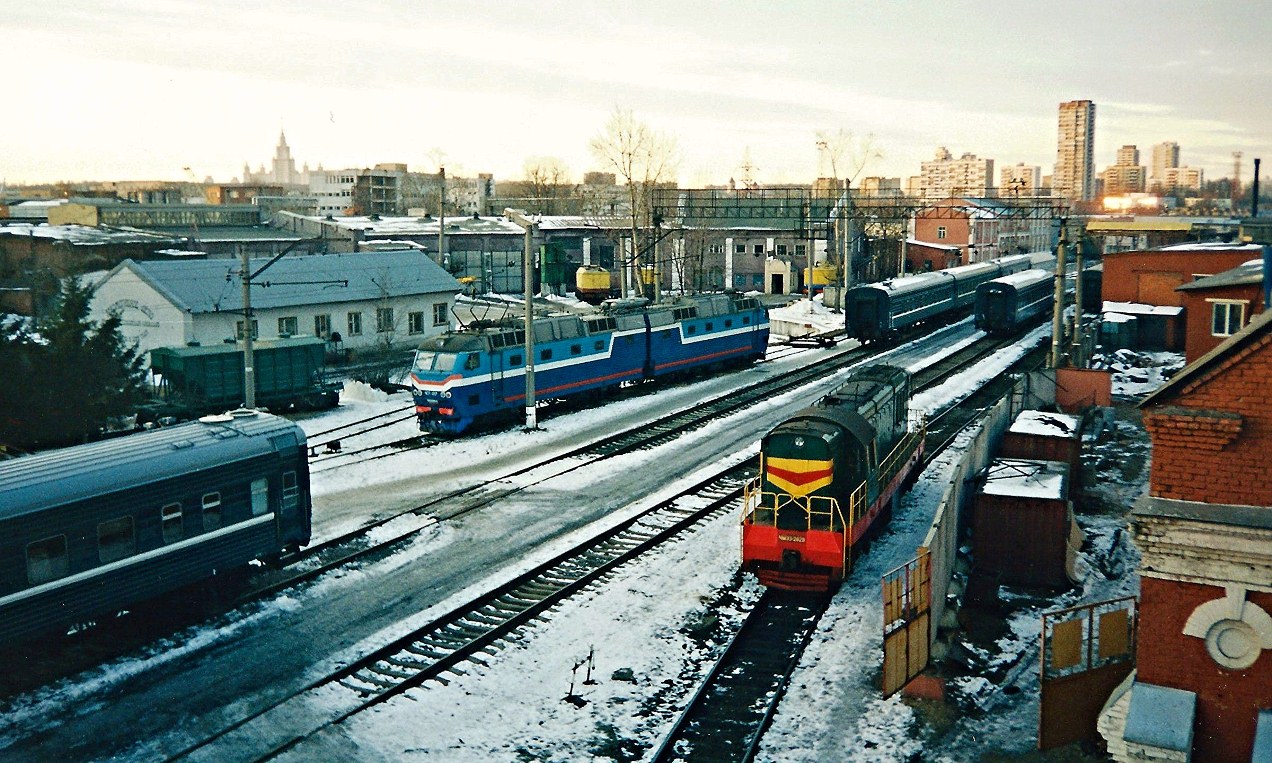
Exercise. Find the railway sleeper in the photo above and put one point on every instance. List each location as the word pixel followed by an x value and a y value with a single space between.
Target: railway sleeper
pixel 371 679
pixel 539 590
pixel 387 668
pixel 484 618
pixel 357 687
pixel 414 665
pixel 427 651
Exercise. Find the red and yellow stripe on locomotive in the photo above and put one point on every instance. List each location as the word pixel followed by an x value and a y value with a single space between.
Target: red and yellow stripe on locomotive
pixel 827 478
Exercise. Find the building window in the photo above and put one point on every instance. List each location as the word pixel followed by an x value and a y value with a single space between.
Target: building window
pixel 801 249
pixel 1227 318
pixel 47 560
pixel 288 326
pixel 383 319
pixel 115 540
pixel 739 249
pixel 940 231
pixel 439 314
pixel 238 328
pixel 781 250
pixel 355 324
pixel 415 323
pixel 322 326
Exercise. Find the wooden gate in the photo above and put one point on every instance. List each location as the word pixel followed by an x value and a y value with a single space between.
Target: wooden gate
pixel 1086 652
pixel 907 622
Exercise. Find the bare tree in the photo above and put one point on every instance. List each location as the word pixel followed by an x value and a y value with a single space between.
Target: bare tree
pixel 847 152
pixel 547 180
pixel 643 158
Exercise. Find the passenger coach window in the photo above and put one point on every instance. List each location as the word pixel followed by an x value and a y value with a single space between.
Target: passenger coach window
pixel 170 519
pixel 260 496
pixel 211 511
pixel 115 540
pixel 291 490
pixel 46 560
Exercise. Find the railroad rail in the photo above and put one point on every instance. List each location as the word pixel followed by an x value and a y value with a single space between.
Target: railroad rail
pixel 468 631
pixel 731 709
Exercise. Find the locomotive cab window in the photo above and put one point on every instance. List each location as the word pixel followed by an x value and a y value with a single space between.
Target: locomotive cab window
pixel 260 496
pixel 47 560
pixel 211 511
pixel 115 540
pixel 170 521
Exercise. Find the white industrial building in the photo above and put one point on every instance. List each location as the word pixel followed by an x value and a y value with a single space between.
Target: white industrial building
pixel 359 301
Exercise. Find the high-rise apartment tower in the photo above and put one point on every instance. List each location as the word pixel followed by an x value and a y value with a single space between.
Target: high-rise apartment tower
pixel 1074 177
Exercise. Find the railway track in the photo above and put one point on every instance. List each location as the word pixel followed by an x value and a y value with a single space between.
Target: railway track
pixel 469 631
pixel 730 710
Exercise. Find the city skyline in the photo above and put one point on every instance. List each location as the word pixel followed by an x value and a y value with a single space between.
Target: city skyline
pixel 140 90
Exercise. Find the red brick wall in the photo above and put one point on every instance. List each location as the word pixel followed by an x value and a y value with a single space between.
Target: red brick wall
pixel 957 232
pixel 1226 699
pixel 1129 276
pixel 1211 458
pixel 1197 314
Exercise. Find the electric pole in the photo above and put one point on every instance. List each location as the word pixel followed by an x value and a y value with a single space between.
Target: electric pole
pixel 530 227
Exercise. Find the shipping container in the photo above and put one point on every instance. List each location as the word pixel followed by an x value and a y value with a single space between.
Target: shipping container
pixel 1043 436
pixel 1023 530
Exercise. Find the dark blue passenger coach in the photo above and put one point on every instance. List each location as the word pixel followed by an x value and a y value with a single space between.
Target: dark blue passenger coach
pixel 89 530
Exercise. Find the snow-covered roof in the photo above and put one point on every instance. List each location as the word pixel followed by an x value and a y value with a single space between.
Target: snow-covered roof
pixel 1135 308
pixel 1118 318
pixel 84 235
pixel 208 286
pixel 1046 424
pixel 930 245
pixel 1209 246
pixel 421 226
pixel 1025 478
pixel 1250 272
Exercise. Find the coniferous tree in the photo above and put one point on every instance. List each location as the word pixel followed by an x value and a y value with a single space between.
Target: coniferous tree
pixel 73 375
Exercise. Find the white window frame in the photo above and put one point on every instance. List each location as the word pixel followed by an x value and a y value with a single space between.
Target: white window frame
pixel 1225 306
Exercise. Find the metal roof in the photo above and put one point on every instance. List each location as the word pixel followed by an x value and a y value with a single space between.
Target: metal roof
pixel 1246 273
pixel 209 286
pixel 52 478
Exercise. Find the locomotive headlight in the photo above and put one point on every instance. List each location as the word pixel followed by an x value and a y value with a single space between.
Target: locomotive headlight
pixel 446 393
pixel 799 442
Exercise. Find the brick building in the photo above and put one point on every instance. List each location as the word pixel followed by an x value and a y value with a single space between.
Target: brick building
pixel 1218 306
pixel 1202 689
pixel 982 229
pixel 1135 282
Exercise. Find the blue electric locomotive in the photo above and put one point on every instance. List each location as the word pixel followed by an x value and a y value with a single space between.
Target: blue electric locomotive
pixel 880 310
pixel 477 375
pixel 92 529
pixel 1006 305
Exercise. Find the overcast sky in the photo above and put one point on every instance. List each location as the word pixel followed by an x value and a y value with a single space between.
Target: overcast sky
pixel 140 89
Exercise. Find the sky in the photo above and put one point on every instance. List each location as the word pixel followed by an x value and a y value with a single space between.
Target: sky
pixel 142 89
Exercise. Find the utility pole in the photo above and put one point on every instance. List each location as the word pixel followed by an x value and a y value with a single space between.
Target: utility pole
pixel 249 356
pixel 1057 317
pixel 1076 354
pixel 530 227
pixel 441 219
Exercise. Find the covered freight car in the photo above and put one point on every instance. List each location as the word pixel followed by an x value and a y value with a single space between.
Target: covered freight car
pixel 289 371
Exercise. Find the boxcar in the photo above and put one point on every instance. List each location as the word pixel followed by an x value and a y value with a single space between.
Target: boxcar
pixel 91 529
pixel 204 379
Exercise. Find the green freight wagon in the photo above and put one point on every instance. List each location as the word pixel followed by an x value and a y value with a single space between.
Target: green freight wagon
pixel 290 372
